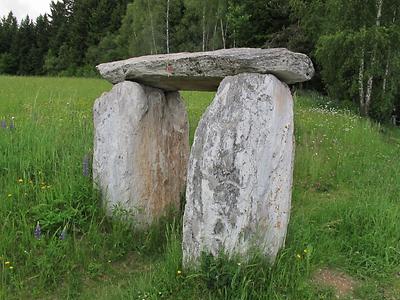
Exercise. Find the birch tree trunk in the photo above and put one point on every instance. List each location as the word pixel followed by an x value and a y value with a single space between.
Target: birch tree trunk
pixel 387 68
pixel 226 31
pixel 223 34
pixel 361 81
pixel 368 93
pixel 168 26
pixel 385 77
pixel 152 28
pixel 204 26
pixel 213 37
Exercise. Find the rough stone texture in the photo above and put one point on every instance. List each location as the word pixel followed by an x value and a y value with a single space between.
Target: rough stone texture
pixel 205 70
pixel 240 170
pixel 141 149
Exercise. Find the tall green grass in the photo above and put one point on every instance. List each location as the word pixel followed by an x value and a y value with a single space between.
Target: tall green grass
pixel 345 213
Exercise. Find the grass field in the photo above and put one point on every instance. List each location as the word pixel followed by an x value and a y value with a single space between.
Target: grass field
pixel 344 229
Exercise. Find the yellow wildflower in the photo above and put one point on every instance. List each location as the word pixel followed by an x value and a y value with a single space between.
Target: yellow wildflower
pixel 20 180
pixel 9 195
pixel 179 272
pixel 7 263
pixel 11 267
pixel 298 256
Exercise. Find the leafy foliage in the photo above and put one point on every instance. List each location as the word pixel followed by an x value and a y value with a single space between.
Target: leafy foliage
pixel 353 43
pixel 356 47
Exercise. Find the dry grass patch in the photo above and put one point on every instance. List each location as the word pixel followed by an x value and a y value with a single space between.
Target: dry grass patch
pixel 342 284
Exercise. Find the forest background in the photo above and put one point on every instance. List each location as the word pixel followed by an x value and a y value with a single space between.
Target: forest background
pixel 353 43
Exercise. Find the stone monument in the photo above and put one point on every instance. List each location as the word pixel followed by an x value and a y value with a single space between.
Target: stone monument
pixel 238 176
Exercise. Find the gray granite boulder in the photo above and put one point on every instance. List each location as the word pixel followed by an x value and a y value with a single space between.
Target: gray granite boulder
pixel 141 149
pixel 204 71
pixel 240 170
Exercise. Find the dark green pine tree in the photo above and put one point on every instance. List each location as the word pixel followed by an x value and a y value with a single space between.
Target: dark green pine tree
pixel 59 26
pixel 22 47
pixel 253 21
pixel 8 34
pixel 60 14
pixel 42 30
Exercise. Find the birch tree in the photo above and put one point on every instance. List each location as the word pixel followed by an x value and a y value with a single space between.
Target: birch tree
pixel 366 102
pixel 167 26
pixel 389 56
pixel 355 45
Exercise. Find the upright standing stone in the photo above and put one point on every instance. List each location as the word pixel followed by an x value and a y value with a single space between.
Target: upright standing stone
pixel 141 149
pixel 240 171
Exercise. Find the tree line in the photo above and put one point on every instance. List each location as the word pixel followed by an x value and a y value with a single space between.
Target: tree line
pixel 353 43
pixel 57 43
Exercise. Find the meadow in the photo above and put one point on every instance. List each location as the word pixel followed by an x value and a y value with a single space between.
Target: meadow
pixel 344 228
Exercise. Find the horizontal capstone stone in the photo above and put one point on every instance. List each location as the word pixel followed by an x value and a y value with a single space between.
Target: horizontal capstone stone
pixel 203 71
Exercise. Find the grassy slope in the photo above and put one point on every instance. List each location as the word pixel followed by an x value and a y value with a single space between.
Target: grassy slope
pixel 345 209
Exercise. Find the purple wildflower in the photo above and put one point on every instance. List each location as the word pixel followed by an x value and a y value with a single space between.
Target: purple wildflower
pixel 12 125
pixel 38 231
pixel 3 124
pixel 85 165
pixel 63 234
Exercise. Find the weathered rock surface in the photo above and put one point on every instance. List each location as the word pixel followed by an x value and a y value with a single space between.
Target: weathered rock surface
pixel 240 170
pixel 141 149
pixel 205 70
